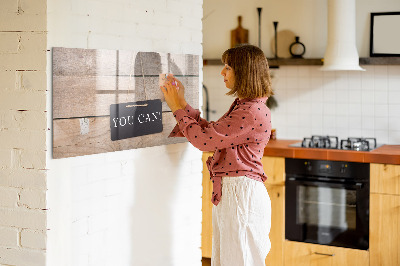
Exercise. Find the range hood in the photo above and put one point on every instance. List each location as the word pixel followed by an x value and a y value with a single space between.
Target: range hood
pixel 341 51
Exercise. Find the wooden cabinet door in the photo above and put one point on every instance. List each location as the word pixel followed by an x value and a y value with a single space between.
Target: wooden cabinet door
pixel 206 225
pixel 274 168
pixel 277 233
pixel 384 236
pixel 385 178
pixel 304 254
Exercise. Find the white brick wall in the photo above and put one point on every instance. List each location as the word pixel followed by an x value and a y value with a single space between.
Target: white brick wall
pixel 23 132
pixel 134 207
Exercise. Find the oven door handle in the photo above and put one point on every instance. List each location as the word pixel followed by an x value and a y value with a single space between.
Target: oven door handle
pixel 352 185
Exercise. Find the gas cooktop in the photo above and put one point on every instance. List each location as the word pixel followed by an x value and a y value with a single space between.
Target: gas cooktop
pixel 332 142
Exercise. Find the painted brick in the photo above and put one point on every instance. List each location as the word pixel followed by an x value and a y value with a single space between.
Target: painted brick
pixel 23 178
pixel 23 218
pixel 33 120
pixel 9 237
pixel 23 139
pixel 22 22
pixel 33 239
pixel 9 42
pixel 31 55
pixel 23 100
pixel 33 199
pixel 5 158
pixel 8 6
pixel 8 197
pixel 7 80
pixel 31 80
pixel 33 159
pixel 12 256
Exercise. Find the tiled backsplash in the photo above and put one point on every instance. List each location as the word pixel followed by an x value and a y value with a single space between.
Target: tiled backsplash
pixel 341 103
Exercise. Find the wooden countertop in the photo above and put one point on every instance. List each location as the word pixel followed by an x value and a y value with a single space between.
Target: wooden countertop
pixel 389 154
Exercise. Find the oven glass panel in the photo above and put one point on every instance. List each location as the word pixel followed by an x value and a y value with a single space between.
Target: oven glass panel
pixel 326 207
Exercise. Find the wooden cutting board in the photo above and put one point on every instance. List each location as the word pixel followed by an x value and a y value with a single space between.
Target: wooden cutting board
pixel 239 35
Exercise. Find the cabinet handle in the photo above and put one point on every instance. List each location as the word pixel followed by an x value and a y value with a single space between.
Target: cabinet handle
pixel 324 254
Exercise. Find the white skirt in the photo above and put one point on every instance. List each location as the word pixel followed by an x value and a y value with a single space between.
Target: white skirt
pixel 241 223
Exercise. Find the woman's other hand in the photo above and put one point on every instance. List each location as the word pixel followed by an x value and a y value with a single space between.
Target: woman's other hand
pixel 171 94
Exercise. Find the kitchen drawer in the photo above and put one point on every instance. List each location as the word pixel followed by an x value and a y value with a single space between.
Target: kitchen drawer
pixel 305 254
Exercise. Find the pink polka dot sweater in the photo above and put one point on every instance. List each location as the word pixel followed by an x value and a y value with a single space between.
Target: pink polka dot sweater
pixel 238 139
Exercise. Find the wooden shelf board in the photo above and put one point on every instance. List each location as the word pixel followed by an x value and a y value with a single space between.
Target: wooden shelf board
pixel 273 62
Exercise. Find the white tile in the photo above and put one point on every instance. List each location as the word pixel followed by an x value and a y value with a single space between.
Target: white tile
pixel 381 71
pixel 367 110
pixel 381 84
pixel 342 96
pixel 381 123
pixel 394 83
pixel 394 123
pixel 355 109
pixel 381 97
pixel 367 83
pixel 342 109
pixel 317 107
pixel 342 81
pixel 355 96
pixel 317 95
pixel 316 72
pixel 382 136
pixel 355 132
pixel 329 109
pixel 394 70
pixel 304 72
pixel 367 133
pixel 316 82
pixel 329 121
pixel 303 82
pixel 342 122
pixel 355 122
pixel 367 96
pixel 329 94
pixel 354 83
pixel 368 122
pixel 381 110
pixel 292 83
pixel 394 110
pixel 394 97
pixel 291 71
pixel 394 137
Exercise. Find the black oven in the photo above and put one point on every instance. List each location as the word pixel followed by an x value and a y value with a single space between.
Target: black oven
pixel 327 202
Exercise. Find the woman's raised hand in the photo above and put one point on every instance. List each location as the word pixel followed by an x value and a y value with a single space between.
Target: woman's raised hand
pixel 173 91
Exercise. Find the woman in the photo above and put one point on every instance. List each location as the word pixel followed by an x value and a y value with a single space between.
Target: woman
pixel 242 208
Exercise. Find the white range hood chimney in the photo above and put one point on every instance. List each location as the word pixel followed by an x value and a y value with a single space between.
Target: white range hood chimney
pixel 341 51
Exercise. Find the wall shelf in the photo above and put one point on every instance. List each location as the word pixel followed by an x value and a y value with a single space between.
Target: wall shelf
pixel 274 63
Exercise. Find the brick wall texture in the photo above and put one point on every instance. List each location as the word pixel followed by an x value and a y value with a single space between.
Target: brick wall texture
pixel 23 129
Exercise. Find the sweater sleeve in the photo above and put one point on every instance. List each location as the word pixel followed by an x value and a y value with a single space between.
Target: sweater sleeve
pixel 193 113
pixel 234 129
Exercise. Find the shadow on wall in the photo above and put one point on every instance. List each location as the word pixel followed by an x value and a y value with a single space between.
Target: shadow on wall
pixel 154 197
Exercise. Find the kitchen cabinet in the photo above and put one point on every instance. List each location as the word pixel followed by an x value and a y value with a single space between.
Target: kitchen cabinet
pixel 385 214
pixel 274 168
pixel 206 225
pixel 305 254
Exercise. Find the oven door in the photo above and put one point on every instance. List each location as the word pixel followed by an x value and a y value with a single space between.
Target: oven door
pixel 327 213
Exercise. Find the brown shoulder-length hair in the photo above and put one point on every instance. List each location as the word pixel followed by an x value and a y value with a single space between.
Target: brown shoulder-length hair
pixel 250 66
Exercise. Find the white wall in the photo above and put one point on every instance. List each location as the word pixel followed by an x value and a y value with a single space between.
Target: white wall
pixel 23 133
pixel 311 102
pixel 134 207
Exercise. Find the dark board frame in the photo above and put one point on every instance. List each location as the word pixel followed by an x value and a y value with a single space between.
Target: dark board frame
pixel 393 30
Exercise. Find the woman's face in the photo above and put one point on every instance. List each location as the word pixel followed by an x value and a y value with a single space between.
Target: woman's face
pixel 229 76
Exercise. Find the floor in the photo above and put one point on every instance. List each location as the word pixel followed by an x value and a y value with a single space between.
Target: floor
pixel 206 261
